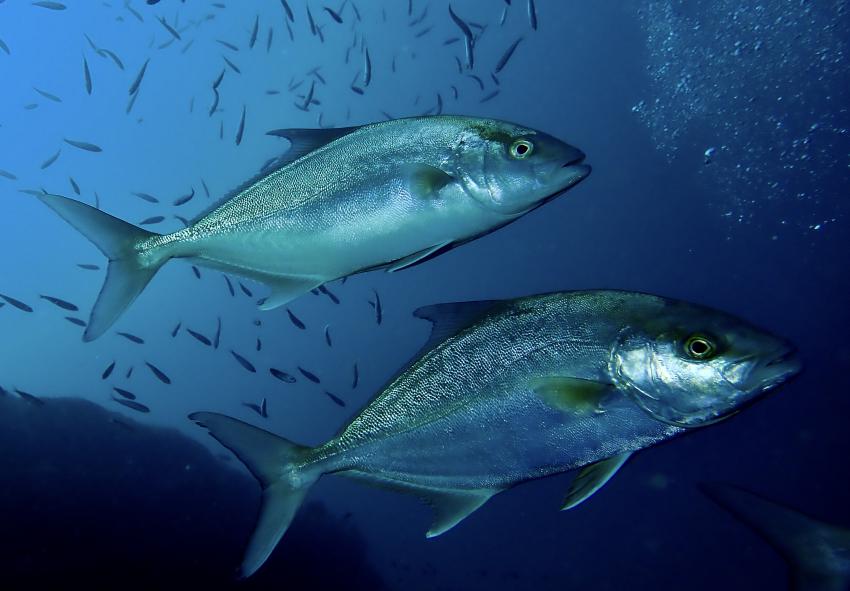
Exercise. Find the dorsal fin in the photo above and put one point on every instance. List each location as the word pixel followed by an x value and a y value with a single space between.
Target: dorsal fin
pixel 304 141
pixel 451 318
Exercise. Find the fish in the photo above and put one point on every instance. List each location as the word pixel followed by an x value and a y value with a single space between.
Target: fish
pixel 532 15
pixel 88 147
pixel 199 337
pixel 129 373
pixel 379 313
pixel 229 46
pixel 336 399
pixel 214 105
pixel 241 129
pixel 8 175
pixel 108 371
pixel 77 321
pixel 156 219
pixel 295 320
pixel 74 185
pixel 229 286
pixel 48 95
pixel 50 5
pixel 160 375
pixel 334 14
pixel 16 303
pixel 356 379
pixel 278 230
pixel 196 272
pixel 503 61
pixel 65 305
pixel 282 375
pixel 259 344
pixel 232 66
pixel 87 76
pixel 131 102
pixel 467 35
pixel 323 289
pixel 269 40
pixel 309 375
pixel 176 329
pixel 137 82
pixel 254 32
pixel 288 10
pixel 815 551
pixel 217 337
pixel 132 404
pixel 131 337
pixel 169 28
pixel 206 189
pixel 50 160
pixel 310 20
pixel 489 96
pixel 112 55
pixel 328 340
pixel 135 12
pixel 184 199
pixel 124 393
pixel 523 389
pixel 243 362
pixel 88 266
pixel 5 47
pixel 245 290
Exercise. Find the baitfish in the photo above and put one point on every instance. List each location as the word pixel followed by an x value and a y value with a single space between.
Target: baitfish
pixel 282 375
pixel 243 362
pixel 132 404
pixel 523 389
pixel 64 304
pixel 131 337
pixel 431 182
pixel 160 375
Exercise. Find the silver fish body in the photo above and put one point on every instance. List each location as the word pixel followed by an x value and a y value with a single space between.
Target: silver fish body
pixel 510 391
pixel 386 195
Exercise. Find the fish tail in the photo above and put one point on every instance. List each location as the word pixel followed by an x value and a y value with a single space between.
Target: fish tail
pixel 128 272
pixel 814 551
pixel 277 465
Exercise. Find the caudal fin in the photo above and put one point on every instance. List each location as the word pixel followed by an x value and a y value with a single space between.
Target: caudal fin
pixel 274 461
pixel 127 274
pixel 817 553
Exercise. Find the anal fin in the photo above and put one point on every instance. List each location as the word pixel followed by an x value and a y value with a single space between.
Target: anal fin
pixel 452 507
pixel 418 257
pixel 591 478
pixel 286 289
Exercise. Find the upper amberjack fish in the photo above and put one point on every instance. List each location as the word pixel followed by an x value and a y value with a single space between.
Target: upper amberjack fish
pixel 817 553
pixel 341 201
pixel 522 389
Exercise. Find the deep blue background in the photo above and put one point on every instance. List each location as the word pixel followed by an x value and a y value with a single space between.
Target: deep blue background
pixel 644 88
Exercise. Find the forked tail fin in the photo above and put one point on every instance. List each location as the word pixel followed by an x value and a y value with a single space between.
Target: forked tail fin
pixel 817 553
pixel 274 461
pixel 128 273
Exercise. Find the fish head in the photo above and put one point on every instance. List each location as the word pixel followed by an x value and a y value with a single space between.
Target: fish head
pixel 691 366
pixel 512 169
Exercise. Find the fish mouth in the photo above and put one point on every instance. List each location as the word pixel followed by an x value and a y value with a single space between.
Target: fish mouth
pixel 779 368
pixel 575 168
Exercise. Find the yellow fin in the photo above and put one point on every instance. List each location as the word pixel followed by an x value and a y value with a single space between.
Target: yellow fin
pixel 571 394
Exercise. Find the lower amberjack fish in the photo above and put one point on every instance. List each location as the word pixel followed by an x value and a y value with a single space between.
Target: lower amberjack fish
pixel 341 201
pixel 522 389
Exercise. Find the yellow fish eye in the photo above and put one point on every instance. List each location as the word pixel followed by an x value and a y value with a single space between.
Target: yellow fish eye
pixel 521 149
pixel 700 347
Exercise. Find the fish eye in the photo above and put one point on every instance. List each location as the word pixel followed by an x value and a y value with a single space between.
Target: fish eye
pixel 521 149
pixel 700 347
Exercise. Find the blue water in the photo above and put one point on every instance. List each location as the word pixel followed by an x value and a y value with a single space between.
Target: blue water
pixel 646 88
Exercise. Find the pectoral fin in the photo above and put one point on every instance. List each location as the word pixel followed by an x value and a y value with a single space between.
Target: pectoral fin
pixel 591 478
pixel 452 507
pixel 286 289
pixel 418 257
pixel 572 394
pixel 426 181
